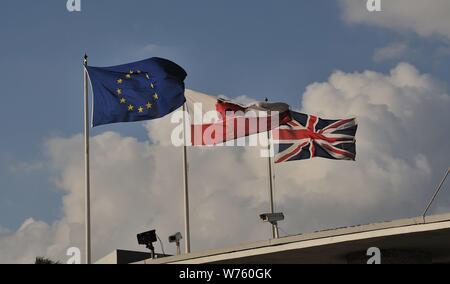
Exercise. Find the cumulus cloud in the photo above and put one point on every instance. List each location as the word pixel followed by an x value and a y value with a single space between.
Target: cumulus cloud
pixel 137 185
pixel 396 50
pixel 425 18
pixel 4 231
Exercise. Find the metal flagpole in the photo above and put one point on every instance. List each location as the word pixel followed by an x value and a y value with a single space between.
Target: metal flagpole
pixel 187 234
pixel 271 194
pixel 86 163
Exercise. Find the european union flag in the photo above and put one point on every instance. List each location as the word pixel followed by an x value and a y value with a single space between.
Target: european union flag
pixel 142 90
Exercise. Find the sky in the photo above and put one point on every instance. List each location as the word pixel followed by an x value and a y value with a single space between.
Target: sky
pixel 330 58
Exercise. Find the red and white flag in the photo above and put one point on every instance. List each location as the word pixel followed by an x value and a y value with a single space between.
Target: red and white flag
pixel 215 120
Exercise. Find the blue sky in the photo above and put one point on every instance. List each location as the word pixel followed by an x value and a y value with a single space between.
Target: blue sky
pixel 257 48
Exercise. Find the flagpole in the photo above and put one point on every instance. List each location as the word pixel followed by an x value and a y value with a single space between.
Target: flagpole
pixel 187 234
pixel 86 163
pixel 271 181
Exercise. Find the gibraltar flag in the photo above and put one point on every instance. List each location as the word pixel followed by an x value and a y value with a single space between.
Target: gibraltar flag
pixel 215 120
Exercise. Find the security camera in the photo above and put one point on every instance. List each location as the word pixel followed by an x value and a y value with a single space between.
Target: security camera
pixel 175 238
pixel 272 218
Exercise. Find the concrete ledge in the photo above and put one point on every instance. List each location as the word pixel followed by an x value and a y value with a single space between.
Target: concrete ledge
pixel 331 246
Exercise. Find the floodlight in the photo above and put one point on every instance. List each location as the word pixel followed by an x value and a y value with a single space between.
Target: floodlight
pixel 176 238
pixel 147 239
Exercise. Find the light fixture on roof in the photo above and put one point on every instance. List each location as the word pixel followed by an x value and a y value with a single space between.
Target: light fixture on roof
pixel 147 239
pixel 176 238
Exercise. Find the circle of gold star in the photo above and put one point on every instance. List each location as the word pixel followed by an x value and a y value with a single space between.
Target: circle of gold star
pixel 140 109
pixel 155 96
pixel 123 100
pixel 130 107
pixel 149 105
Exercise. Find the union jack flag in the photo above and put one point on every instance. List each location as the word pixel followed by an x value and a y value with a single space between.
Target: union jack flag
pixel 307 136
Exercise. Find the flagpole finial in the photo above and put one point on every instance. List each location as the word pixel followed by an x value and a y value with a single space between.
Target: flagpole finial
pixel 266 100
pixel 85 59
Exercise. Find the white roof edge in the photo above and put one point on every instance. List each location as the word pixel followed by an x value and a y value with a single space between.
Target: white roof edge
pixel 314 239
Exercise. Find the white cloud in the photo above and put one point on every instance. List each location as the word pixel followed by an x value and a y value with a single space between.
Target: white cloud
pixel 426 18
pixel 31 240
pixel 4 231
pixel 396 50
pixel 152 49
pixel 402 151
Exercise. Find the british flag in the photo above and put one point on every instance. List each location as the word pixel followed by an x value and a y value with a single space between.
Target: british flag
pixel 307 136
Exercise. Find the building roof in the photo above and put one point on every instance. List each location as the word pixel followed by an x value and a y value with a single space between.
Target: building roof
pixel 429 234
